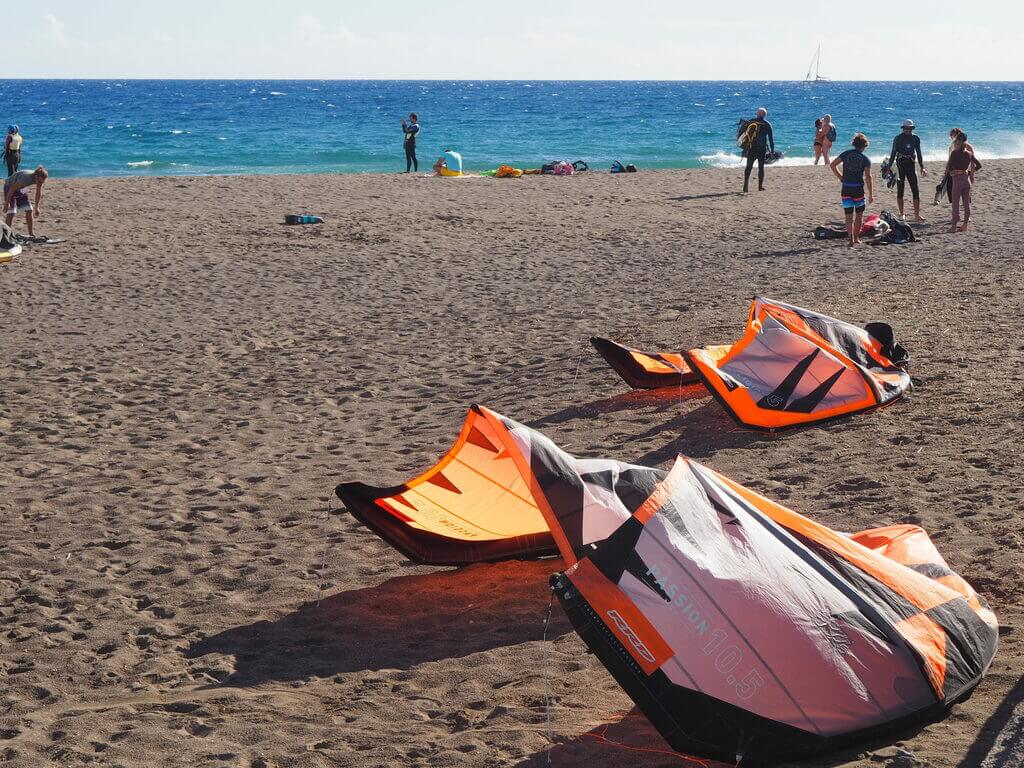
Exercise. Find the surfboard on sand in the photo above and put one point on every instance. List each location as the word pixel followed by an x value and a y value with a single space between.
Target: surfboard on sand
pixel 10 254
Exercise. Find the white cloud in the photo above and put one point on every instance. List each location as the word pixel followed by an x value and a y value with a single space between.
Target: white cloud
pixel 55 27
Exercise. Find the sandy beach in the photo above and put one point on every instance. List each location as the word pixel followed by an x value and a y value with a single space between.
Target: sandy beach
pixel 186 380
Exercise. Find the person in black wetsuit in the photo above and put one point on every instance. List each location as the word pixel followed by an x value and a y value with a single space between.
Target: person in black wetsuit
pixel 763 142
pixel 411 131
pixel 906 149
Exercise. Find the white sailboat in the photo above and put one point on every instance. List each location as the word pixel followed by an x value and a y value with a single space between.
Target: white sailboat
pixel 814 71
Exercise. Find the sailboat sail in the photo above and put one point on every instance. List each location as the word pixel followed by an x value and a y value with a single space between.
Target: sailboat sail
pixel 813 67
pixel 814 70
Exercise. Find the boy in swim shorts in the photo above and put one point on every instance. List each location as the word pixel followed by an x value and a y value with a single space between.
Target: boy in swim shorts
pixel 856 174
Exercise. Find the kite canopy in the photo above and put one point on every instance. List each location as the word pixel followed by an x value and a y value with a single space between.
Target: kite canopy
pixel 650 370
pixel 738 626
pixel 792 367
pixel 502 491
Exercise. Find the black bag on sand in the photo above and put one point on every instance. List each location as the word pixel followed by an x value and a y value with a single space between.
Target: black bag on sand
pixel 899 231
pixel 7 238
pixel 832 232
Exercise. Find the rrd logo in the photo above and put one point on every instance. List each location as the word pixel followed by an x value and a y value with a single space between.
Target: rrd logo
pixel 633 638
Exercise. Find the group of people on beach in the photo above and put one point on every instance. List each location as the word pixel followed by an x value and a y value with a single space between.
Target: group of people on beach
pixel 18 183
pixel 852 168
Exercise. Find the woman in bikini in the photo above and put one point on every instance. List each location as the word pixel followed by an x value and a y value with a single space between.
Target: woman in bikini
pixel 823 138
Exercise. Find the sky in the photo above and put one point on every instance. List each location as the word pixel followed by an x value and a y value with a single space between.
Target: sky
pixel 526 39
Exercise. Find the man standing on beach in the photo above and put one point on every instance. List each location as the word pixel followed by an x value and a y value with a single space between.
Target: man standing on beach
pixel 411 130
pixel 760 143
pixel 906 148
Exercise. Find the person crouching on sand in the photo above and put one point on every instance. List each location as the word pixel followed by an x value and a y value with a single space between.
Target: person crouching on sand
pixel 16 198
pixel 856 174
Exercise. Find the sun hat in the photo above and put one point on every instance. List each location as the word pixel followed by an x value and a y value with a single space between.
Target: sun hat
pixel 908 123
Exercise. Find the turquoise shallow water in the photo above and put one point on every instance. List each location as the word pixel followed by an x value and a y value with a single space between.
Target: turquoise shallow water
pixel 151 127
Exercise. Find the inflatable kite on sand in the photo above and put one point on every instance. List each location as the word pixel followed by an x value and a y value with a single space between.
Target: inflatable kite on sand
pixel 792 367
pixel 739 627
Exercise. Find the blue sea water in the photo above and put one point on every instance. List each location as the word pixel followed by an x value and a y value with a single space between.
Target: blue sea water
pixel 160 127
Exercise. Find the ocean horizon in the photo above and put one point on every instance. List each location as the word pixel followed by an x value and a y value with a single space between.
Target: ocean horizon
pixel 89 128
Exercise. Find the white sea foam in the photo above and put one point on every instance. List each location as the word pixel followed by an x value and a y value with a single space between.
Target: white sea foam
pixel 277 93
pixel 1012 149
pixel 176 132
pixel 140 164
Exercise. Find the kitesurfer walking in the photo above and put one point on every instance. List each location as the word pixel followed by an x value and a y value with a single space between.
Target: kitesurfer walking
pixel 759 142
pixel 411 131
pixel 906 148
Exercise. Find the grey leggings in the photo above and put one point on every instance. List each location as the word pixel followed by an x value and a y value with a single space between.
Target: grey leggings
pixel 961 191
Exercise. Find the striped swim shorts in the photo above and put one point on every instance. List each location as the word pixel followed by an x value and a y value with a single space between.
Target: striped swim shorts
pixel 853 197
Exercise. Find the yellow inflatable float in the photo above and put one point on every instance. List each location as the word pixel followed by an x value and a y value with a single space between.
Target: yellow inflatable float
pixel 449 164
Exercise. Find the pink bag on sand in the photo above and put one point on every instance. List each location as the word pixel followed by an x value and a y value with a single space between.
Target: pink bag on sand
pixel 563 169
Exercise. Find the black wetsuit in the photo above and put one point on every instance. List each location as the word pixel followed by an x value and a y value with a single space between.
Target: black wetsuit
pixel 411 130
pixel 764 142
pixel 906 148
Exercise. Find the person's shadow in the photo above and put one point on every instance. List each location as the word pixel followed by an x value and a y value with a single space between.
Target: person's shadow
pixel 403 622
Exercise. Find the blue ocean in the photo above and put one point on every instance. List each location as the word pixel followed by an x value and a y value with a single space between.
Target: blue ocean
pixel 161 127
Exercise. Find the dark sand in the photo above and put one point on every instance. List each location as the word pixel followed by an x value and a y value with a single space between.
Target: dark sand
pixel 185 380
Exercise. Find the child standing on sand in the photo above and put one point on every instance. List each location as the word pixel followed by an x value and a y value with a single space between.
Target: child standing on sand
pixel 855 175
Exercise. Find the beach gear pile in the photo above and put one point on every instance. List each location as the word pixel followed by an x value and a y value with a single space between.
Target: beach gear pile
pixel 872 226
pixel 554 168
pixel 879 228
pixel 744 631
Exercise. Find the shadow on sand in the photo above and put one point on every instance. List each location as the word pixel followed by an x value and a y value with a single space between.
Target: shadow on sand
pixel 706 196
pixel 663 399
pixel 633 741
pixel 400 623
pixel 1001 741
